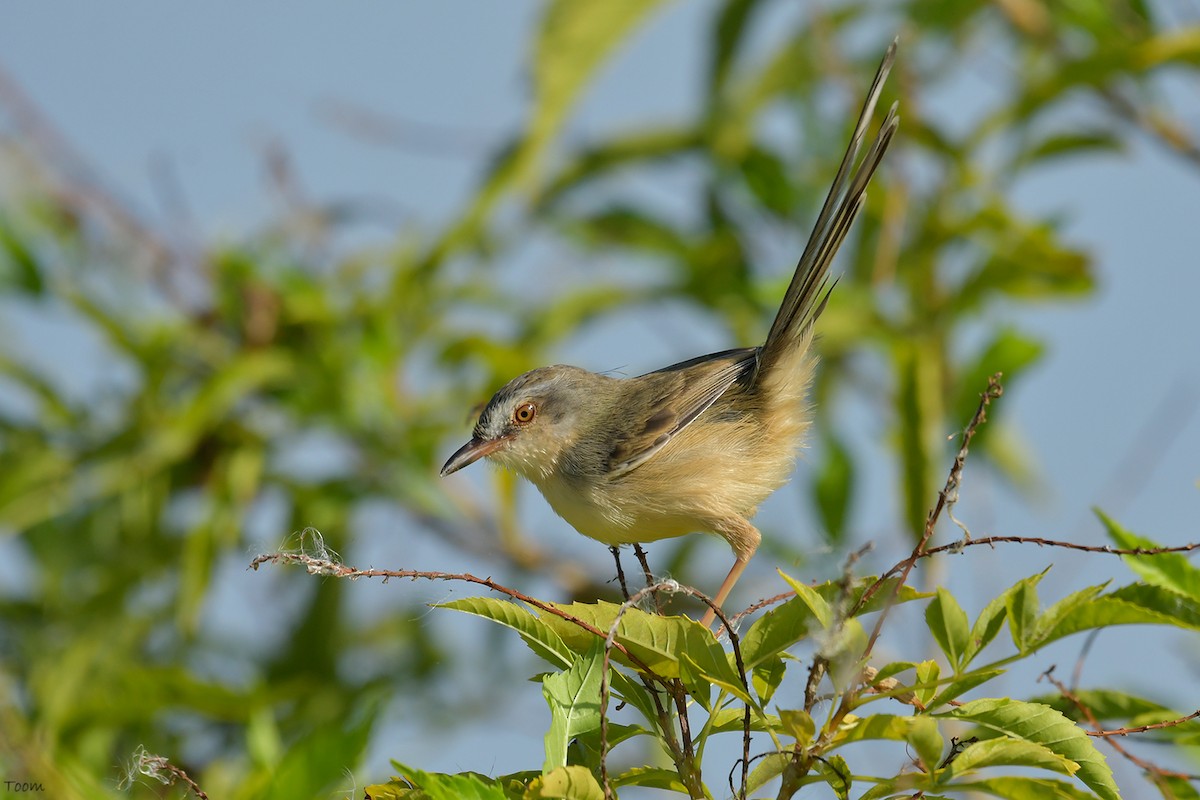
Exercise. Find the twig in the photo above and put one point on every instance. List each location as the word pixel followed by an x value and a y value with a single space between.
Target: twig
pixel 947 496
pixel 616 553
pixel 642 559
pixel 1153 726
pixel 1100 732
pixel 330 567
pixel 685 768
pixel 956 747
pixel 990 541
pixel 161 770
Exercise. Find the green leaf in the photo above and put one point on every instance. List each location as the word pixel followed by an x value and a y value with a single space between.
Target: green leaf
pixel 949 626
pixel 837 774
pixel 1044 726
pixel 798 724
pixel 1126 710
pixel 732 718
pixel 988 624
pixel 766 769
pixel 18 265
pixel 766 677
pixel 783 626
pixel 1005 752
pixel 833 486
pixel 817 605
pixel 1017 788
pixel 965 682
pixel 574 700
pixel 436 786
pixel 540 638
pixel 926 687
pixel 565 783
pixel 1023 608
pixel 1135 604
pixel 652 777
pixel 1168 570
pixel 920 732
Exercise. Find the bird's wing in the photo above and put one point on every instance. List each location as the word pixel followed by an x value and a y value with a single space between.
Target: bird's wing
pixel 674 397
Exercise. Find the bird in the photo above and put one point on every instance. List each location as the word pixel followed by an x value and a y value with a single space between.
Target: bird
pixel 694 447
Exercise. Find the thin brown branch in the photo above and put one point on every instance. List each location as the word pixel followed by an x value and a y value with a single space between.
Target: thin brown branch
pixel 946 498
pixel 1153 726
pixel 642 559
pixel 333 568
pixel 616 554
pixel 161 770
pixel 1099 731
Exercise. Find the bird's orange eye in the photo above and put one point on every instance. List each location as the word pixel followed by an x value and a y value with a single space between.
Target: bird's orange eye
pixel 524 413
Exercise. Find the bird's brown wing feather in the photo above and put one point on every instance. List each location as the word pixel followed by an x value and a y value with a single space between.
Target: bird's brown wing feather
pixel 678 395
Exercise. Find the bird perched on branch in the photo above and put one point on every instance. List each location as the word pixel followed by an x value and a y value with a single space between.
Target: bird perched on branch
pixel 696 446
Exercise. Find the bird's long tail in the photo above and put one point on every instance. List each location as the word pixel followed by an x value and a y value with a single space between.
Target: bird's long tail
pixel 806 295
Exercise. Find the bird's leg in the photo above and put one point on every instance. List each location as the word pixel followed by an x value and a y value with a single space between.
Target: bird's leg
pixel 743 538
pixel 616 551
pixel 641 557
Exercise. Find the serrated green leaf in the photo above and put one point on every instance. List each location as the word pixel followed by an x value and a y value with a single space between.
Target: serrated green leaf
pixel 706 659
pixel 949 626
pixel 540 638
pixel 1019 788
pixel 920 732
pixel 1135 604
pixel 1044 726
pixel 574 700
pixel 1049 622
pixel 1005 752
pixel 1125 710
pixel 656 641
pixel 1168 570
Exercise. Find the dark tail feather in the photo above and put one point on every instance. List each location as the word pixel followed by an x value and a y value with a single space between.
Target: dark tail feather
pixel 800 304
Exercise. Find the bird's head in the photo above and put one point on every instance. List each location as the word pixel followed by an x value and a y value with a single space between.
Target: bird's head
pixel 528 424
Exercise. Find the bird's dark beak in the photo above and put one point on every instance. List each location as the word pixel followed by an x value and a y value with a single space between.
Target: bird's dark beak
pixel 471 452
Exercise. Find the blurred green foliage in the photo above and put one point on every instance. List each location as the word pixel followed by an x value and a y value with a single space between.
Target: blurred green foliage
pixel 122 503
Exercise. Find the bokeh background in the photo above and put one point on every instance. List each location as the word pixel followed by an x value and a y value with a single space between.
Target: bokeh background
pixel 259 263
